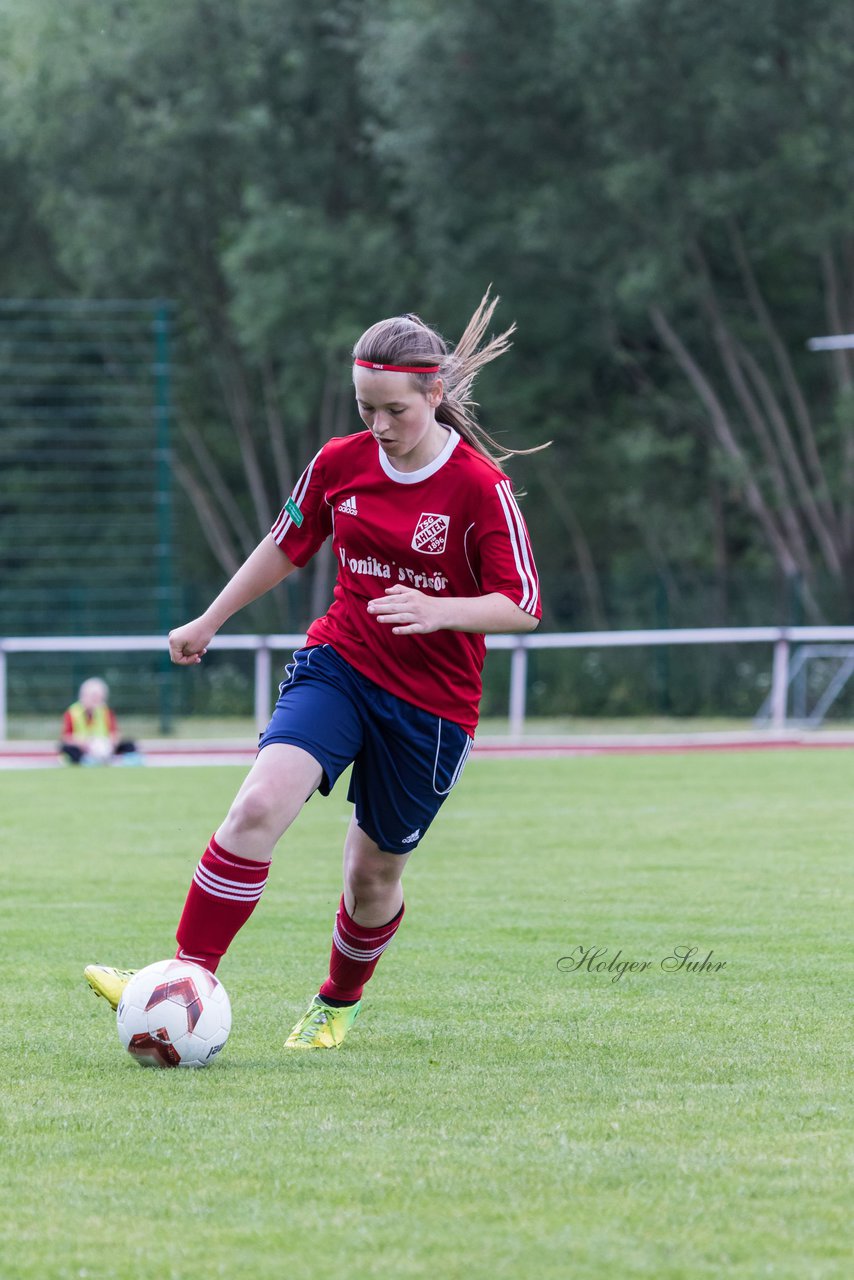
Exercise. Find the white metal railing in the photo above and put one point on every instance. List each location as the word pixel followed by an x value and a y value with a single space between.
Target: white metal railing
pixel 781 638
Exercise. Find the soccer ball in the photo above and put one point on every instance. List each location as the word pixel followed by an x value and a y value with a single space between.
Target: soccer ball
pixel 174 1014
pixel 100 750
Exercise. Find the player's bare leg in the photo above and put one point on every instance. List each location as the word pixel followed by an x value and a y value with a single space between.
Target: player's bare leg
pixel 276 788
pixel 369 914
pixel 373 892
pixel 230 878
pixel 232 873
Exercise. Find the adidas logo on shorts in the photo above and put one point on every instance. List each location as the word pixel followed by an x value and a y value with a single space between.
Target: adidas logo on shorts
pixel 414 836
pixel 348 506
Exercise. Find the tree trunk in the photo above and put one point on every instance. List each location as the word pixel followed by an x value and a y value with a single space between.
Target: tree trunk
pixel 719 541
pixel 754 417
pixel 725 436
pixel 774 413
pixel 238 401
pixel 210 524
pixel 229 513
pixel 565 512
pixel 788 378
pixel 278 440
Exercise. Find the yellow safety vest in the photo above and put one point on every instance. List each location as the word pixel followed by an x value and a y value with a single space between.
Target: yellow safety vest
pixel 97 727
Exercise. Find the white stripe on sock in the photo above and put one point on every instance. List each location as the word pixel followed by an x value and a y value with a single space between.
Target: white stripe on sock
pixel 228 889
pixel 211 880
pixel 352 953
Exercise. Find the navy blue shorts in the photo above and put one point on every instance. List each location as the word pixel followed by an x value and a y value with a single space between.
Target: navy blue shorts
pixel 405 760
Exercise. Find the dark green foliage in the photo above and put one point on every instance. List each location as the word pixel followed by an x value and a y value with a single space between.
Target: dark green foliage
pixel 661 193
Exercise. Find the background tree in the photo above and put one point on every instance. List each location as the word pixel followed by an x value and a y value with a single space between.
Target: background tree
pixel 220 160
pixel 721 162
pixel 660 190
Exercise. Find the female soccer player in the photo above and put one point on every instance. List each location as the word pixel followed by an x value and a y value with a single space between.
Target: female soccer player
pixel 432 553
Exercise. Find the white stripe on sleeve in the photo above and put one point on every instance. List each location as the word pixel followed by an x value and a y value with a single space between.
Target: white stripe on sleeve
pixel 521 547
pixel 284 522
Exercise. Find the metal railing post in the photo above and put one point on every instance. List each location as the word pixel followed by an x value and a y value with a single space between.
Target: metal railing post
pixel 163 498
pixel 263 672
pixel 518 689
pixel 780 683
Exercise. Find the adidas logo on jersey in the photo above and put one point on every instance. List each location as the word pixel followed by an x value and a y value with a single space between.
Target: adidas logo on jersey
pixel 348 506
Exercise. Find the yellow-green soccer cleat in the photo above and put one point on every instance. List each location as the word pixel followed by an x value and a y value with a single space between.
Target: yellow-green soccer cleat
pixel 108 982
pixel 322 1026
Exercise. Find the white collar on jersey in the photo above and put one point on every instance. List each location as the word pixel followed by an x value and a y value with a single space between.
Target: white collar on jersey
pixel 423 473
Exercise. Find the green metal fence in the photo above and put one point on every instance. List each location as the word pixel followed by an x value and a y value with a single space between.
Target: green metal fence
pixel 86 541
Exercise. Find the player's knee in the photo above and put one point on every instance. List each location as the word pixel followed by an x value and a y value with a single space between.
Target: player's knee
pixel 254 809
pixel 367 882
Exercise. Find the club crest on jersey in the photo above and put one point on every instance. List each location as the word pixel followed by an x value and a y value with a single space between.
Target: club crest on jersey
pixel 431 533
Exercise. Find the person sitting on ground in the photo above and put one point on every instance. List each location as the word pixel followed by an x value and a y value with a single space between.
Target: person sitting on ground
pixel 90 734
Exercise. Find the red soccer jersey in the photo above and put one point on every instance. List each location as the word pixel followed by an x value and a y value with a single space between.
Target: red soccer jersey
pixel 452 528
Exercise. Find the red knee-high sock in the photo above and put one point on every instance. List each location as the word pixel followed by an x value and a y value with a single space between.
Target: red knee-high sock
pixel 222 897
pixel 355 952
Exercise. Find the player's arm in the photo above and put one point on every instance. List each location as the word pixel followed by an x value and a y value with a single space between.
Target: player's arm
pixel 411 613
pixel 264 569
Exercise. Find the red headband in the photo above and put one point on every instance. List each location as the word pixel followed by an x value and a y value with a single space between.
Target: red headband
pixel 397 368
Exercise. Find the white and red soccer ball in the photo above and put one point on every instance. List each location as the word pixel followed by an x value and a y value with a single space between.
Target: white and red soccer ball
pixel 174 1014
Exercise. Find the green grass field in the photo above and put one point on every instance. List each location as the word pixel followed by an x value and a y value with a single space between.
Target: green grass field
pixel 490 1116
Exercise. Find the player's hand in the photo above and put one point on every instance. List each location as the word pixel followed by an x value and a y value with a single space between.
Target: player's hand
pixel 189 643
pixel 408 612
